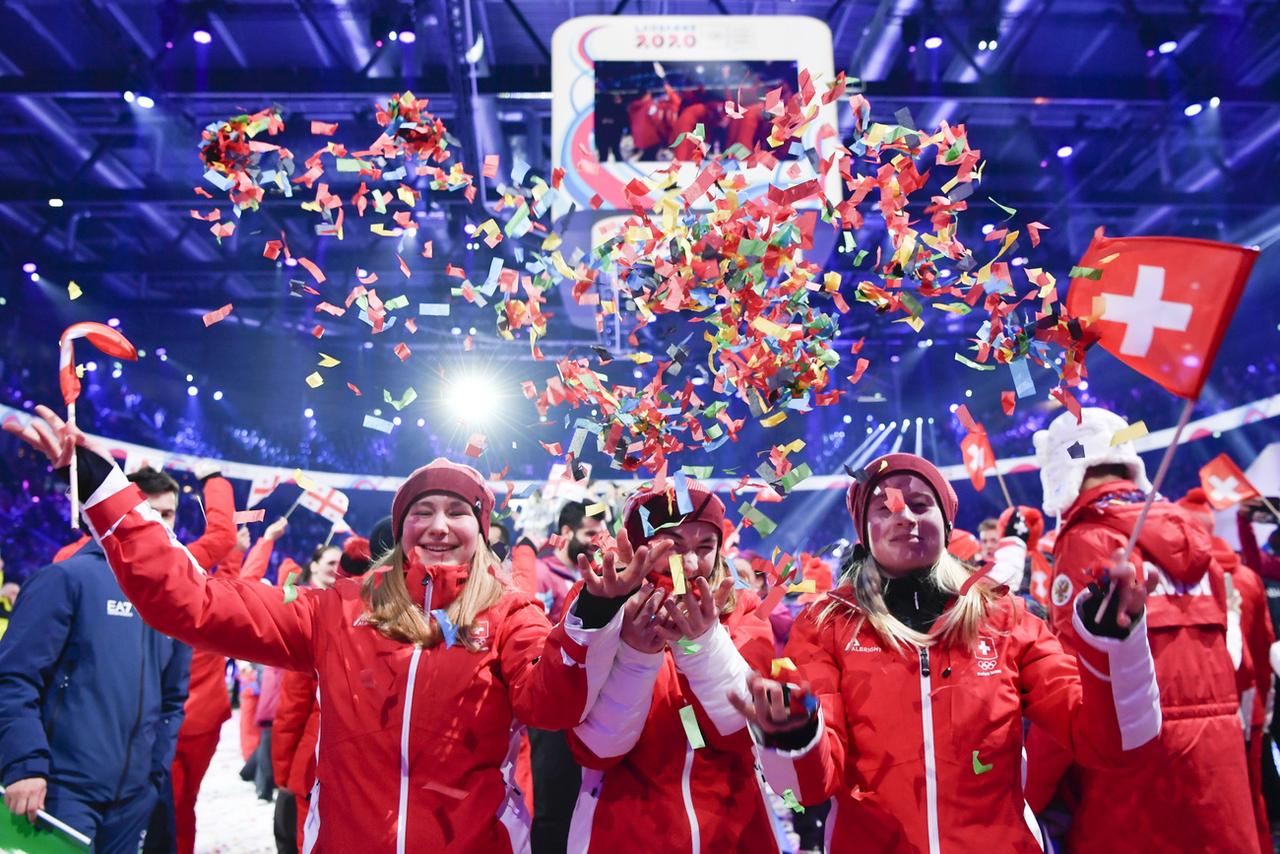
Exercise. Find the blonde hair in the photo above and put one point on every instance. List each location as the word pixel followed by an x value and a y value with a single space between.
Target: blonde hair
pixel 958 626
pixel 395 615
pixel 719 572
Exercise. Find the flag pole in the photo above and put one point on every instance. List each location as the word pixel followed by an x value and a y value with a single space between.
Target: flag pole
pixel 329 538
pixel 75 493
pixel 1159 479
pixel 295 504
pixel 1003 487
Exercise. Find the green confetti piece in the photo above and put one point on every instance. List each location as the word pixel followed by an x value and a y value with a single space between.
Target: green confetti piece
pixel 290 590
pixel 789 799
pixel 688 646
pixel 797 474
pixel 759 521
pixel 857 259
pixel 1094 273
pixel 1010 211
pixel 405 399
pixel 978 767
pixel 970 363
pixel 954 151
pixel 689 719
pixel 700 472
pixel 396 302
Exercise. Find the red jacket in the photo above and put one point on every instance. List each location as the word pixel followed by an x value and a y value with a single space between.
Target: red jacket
pixel 643 779
pixel 922 751
pixel 295 732
pixel 1193 795
pixel 414 740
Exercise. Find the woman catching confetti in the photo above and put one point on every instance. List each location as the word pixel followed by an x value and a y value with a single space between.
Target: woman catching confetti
pixel 666 757
pixel 923 674
pixel 422 667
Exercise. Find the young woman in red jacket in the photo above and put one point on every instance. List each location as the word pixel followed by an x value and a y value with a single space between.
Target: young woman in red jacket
pixel 665 756
pixel 922 677
pixel 423 667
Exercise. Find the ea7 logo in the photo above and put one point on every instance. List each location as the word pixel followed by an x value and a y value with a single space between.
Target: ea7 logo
pixel 119 608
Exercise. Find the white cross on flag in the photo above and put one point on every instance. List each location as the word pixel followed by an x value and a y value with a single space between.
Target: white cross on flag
pixel 327 501
pixel 1161 305
pixel 978 458
pixel 1224 484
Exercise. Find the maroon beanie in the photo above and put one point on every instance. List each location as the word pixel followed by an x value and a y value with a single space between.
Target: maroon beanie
pixel 663 509
pixel 441 475
pixel 860 491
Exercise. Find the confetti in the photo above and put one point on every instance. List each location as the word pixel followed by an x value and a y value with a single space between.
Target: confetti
pixel 315 380
pixel 689 720
pixel 290 588
pixel 74 292
pixel 675 563
pixel 402 351
pixel 379 424
pixel 217 315
pixel 475 445
pixel 688 646
pixel 1136 430
pixel 780 664
pixel 447 629
pixel 791 802
pixel 244 517
pixel 893 500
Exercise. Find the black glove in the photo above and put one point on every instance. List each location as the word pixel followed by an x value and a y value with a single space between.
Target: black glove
pixel 91 471
pixel 1105 624
pixel 1017 526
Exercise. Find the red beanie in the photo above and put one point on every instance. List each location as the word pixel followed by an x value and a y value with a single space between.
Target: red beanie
pixel 1197 502
pixel 663 509
pixel 860 491
pixel 441 475
pixel 1035 523
pixel 355 558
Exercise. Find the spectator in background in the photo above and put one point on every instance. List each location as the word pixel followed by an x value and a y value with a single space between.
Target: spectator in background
pixel 988 539
pixel 557 571
pixel 8 596
pixel 90 697
pixel 1266 565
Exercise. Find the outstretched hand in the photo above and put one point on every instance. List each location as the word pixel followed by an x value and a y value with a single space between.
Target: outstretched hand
pixel 53 437
pixel 1120 597
pixel 622 570
pixel 694 613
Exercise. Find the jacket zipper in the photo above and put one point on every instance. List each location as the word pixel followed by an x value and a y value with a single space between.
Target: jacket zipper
pixel 686 792
pixel 404 725
pixel 142 686
pixel 930 760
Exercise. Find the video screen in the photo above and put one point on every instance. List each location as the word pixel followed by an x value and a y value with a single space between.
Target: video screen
pixel 643 107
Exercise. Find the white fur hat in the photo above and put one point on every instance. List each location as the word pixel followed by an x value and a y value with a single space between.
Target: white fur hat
pixel 1061 474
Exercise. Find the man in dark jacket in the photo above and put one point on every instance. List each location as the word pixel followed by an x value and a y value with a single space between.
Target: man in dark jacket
pixel 91 701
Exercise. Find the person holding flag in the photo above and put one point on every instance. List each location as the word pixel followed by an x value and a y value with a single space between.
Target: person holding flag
pixel 1193 794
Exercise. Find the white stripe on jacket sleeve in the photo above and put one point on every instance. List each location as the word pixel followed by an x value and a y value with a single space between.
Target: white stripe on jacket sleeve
pixel 1133 680
pixel 714 671
pixel 616 719
pixel 779 765
pixel 601 645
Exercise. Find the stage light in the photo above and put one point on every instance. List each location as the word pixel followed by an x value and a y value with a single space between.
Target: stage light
pixel 930 420
pixel 368 345
pixel 113 322
pixel 55 202
pixel 1084 385
pixel 308 412
pixel 191 377
pixel 699 380
pixel 1019 261
pixel 1192 110
pixel 968 392
pixel 638 374
pixel 473 54
pixel 192 391
pixel 115 374
pixel 988 228
pixel 91 366
pixel 422 422
pixel 35 277
pixel 217 395
pixel 408 37
pixel 1064 152
pixel 128 96
pixel 472 399
pixel 146 102
pixel 953 407
pixel 993 44
pixel 396 421
pixel 944 273
pixel 471 331
pixel 457 330
pixel 982 45
pixel 933 42
pixel 29 267
pixel 1214 102
pixel 848 419
pixel 291 261
pixel 393 35
pixel 1167 46
pixel 201 36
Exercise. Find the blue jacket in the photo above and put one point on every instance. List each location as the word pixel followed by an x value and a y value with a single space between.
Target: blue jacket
pixel 90 696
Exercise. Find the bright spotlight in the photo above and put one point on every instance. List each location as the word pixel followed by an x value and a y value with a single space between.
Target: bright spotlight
pixel 1214 102
pixel 308 412
pixel 192 391
pixel 408 37
pixel 1065 151
pixel 146 102
pixel 933 42
pixel 201 37
pixel 217 395
pixel 472 399
pixel 1193 110
pixel 1168 46
pixel 55 202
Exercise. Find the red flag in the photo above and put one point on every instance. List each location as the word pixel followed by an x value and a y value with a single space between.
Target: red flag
pixel 106 339
pixel 978 457
pixel 1224 484
pixel 1166 303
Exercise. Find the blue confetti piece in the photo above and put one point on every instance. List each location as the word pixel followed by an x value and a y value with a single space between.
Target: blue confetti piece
pixel 518 170
pixel 1022 382
pixel 683 502
pixel 644 521
pixel 810 703
pixel 447 628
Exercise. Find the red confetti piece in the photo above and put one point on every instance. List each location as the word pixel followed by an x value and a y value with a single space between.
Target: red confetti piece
pixel 404 268
pixel 426 249
pixel 310 267
pixel 318 331
pixel 354 389
pixel 323 128
pixel 966 420
pixel 475 445
pixel 402 350
pixel 893 500
pixel 553 448
pixel 1008 401
pixel 244 517
pixel 490 169
pixel 859 369
pixel 217 315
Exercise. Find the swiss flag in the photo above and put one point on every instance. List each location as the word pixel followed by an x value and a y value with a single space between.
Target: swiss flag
pixel 1224 484
pixel 1162 303
pixel 978 457
pixel 106 339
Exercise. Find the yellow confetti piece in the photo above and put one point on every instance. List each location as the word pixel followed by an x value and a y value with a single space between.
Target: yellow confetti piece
pixel 774 419
pixel 73 290
pixel 304 482
pixel 596 509
pixel 797 445
pixel 327 361
pixel 677 574
pixel 805 586
pixel 779 665
pixel 768 327
pixel 315 380
pixel 1113 256
pixel 1136 430
pixel 641 358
